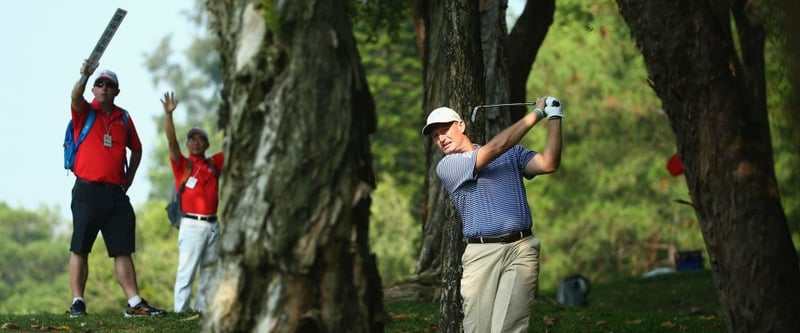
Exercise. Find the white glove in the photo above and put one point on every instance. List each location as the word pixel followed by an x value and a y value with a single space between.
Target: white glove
pixel 552 108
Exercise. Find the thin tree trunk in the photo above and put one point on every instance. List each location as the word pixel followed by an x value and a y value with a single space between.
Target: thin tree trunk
pixel 715 99
pixel 295 199
pixel 523 44
pixel 493 42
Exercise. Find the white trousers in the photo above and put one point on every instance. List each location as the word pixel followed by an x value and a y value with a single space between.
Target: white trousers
pixel 498 285
pixel 198 242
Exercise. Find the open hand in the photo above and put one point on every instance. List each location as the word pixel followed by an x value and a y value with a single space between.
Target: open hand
pixel 169 102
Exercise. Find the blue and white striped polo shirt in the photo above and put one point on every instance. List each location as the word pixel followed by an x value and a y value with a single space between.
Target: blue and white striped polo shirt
pixel 493 202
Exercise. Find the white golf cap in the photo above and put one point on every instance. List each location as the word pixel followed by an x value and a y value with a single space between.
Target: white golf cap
pixel 440 115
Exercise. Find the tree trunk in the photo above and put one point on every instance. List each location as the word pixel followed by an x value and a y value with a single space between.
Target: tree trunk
pixel 714 96
pixel 493 42
pixel 452 76
pixel 295 193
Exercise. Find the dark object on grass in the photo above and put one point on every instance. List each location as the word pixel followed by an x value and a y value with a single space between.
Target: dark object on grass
pixel 689 260
pixel 574 291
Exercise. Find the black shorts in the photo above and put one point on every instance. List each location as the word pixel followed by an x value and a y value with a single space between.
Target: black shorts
pixel 104 208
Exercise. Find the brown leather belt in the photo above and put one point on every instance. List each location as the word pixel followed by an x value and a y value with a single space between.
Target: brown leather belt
pixel 507 238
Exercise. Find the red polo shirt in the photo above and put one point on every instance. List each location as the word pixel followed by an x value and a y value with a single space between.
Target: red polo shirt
pixel 204 197
pixel 96 162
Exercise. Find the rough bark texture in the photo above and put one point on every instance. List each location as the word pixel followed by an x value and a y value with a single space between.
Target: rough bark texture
pixel 493 43
pixel 452 76
pixel 715 99
pixel 295 195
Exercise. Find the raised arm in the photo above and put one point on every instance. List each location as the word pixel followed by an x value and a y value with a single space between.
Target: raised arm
pixel 78 102
pixel 170 103
pixel 509 137
pixel 549 159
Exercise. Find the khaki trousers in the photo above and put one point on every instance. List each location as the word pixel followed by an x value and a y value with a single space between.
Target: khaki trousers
pixel 498 285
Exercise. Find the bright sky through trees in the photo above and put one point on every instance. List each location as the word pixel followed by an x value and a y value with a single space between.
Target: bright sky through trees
pixel 45 43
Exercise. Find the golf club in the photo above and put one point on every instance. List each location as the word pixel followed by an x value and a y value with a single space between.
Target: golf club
pixel 475 109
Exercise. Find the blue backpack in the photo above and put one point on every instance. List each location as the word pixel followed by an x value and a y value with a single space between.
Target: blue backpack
pixel 71 143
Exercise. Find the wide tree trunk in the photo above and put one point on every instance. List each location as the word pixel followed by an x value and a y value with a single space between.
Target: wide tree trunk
pixel 710 79
pixel 295 193
pixel 452 76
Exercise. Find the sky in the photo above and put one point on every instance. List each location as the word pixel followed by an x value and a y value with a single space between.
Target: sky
pixel 46 42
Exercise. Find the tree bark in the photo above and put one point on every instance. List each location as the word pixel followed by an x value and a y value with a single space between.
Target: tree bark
pixel 452 76
pixel 295 193
pixel 714 96
pixel 495 69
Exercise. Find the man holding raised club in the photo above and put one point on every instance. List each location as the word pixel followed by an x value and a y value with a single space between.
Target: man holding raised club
pixel 501 260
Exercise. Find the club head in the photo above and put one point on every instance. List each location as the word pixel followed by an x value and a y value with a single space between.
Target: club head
pixel 474 113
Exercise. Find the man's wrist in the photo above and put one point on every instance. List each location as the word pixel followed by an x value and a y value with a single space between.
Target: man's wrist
pixel 539 113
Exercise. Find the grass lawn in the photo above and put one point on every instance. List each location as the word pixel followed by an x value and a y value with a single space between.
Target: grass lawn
pixel 680 302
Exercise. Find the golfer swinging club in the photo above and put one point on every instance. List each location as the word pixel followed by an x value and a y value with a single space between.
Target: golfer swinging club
pixel 501 260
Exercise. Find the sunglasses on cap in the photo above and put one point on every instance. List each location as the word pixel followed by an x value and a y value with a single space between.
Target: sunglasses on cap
pixel 105 83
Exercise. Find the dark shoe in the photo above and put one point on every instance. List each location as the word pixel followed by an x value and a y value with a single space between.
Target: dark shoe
pixel 143 310
pixel 77 309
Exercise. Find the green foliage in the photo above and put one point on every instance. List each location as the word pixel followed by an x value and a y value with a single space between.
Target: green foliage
pixel 35 252
pixel 393 72
pixel 271 16
pixel 377 19
pixel 34 276
pixel 783 128
pixel 392 229
pixel 609 211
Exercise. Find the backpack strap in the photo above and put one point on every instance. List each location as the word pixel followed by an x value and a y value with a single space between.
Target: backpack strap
pixel 90 121
pixel 128 133
pixel 213 167
pixel 86 126
pixel 125 121
pixel 188 170
pixel 185 177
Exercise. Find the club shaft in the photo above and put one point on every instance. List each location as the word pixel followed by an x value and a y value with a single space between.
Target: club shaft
pixel 475 109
